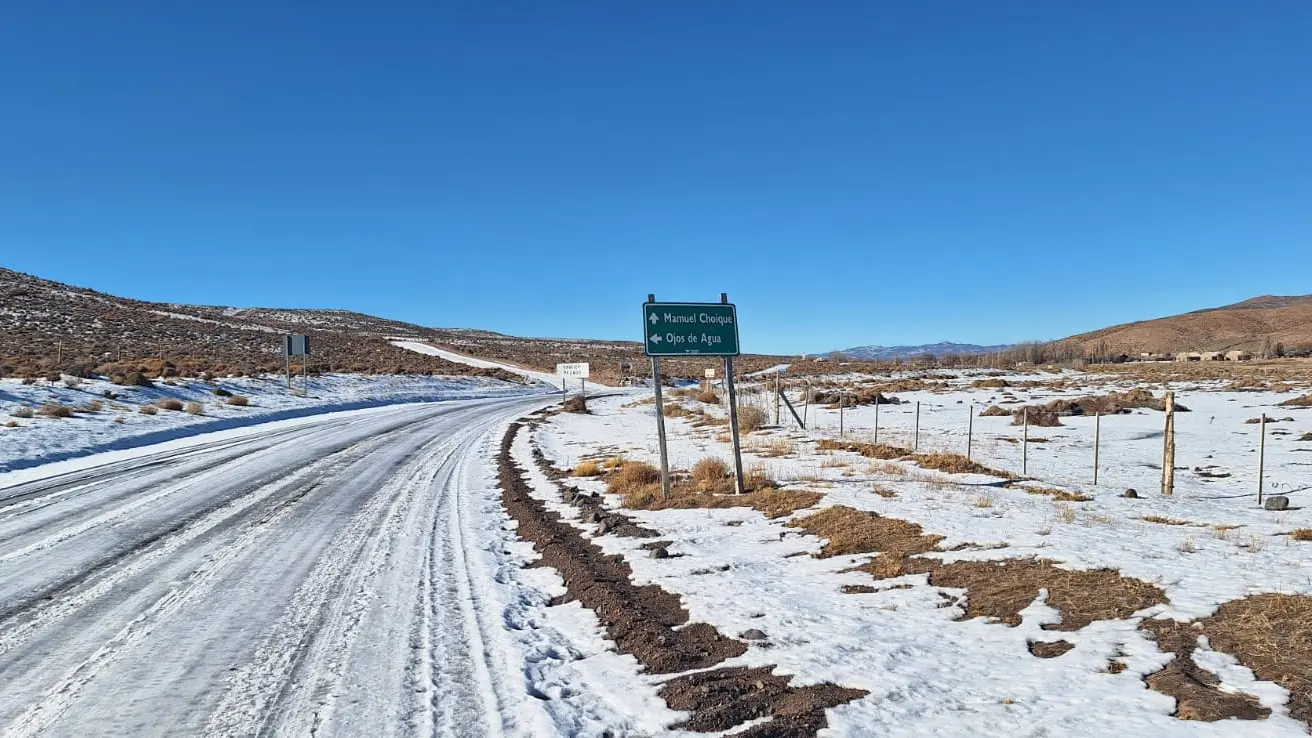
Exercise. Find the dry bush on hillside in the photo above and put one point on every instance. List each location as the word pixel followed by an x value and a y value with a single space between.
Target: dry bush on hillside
pixel 1036 415
pixel 56 410
pixel 587 468
pixel 1302 401
pixel 708 397
pixel 194 408
pixel 1302 534
pixel 633 475
pixel 993 411
pixel 22 411
pixel 169 403
pixel 239 401
pixel 576 404
pixel 148 410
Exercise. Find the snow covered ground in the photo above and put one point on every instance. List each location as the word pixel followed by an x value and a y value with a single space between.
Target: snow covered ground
pixel 529 374
pixel 110 416
pixel 927 671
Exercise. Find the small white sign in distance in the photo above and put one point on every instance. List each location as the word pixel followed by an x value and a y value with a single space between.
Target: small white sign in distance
pixel 572 371
pixel 710 374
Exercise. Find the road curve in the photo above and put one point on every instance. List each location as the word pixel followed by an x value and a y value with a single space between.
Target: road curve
pixel 332 578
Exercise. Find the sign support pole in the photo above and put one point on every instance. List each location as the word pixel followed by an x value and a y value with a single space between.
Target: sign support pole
pixel 660 421
pixel 733 417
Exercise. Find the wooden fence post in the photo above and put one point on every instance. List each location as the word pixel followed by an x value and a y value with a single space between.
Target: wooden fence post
pixel 1097 441
pixel 1025 443
pixel 1261 460
pixel 1168 448
pixel 915 440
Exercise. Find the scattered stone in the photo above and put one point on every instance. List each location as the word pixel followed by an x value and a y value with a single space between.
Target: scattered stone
pixel 1131 494
pixel 753 634
pixel 1277 503
pixel 659 553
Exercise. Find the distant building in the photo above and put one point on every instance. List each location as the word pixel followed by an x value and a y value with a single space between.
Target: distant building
pixel 1238 355
pixel 1213 356
pixel 1188 356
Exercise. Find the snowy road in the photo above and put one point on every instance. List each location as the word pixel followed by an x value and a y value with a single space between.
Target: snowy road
pixel 337 577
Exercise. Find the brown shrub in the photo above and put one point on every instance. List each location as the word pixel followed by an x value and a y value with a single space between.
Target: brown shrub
pixel 148 410
pixel 93 406
pixel 990 383
pixel 239 401
pixel 957 464
pixel 576 404
pixel 1038 415
pixel 711 475
pixel 994 411
pixel 133 379
pixel 22 412
pixel 1302 534
pixel 169 403
pixel 1301 401
pixel 195 408
pixel 632 476
pixel 56 410
pixel 709 397
pixel 751 418
pixel 587 468
pixel 11 424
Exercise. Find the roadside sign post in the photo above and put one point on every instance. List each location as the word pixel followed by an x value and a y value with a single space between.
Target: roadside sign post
pixel 580 371
pixel 294 345
pixel 692 329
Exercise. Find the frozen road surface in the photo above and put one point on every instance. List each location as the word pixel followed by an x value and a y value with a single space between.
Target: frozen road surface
pixel 334 576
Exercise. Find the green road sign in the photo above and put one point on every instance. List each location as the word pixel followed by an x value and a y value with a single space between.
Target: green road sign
pixel 690 329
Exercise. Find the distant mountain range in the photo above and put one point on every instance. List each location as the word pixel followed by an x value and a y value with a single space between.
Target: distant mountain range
pixel 943 348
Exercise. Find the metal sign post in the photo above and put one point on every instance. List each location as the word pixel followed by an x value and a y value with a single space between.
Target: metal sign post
pixel 692 329
pixel 294 345
pixel 580 371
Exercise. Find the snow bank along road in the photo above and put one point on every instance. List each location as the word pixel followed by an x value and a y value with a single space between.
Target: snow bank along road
pixel 337 577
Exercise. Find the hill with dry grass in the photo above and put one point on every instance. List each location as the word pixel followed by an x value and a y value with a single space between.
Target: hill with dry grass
pixel 1253 325
pixel 47 327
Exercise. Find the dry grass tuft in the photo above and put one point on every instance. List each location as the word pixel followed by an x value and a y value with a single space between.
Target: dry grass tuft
pixel 711 474
pixel 1302 534
pixel 239 401
pixel 148 410
pixel 1060 495
pixel 587 468
pixel 751 418
pixel 194 408
pixel 708 397
pixel 1306 437
pixel 1163 520
pixel 956 464
pixel 168 403
pixel 884 492
pixel 22 411
pixel 994 411
pixel 852 531
pixel 868 450
pixel 633 476
pixel 56 410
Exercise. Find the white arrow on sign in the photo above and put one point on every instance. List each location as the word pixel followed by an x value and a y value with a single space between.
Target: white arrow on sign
pixel 653 318
pixel 655 339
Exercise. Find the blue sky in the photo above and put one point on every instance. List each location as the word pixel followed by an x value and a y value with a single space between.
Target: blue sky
pixel 850 173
